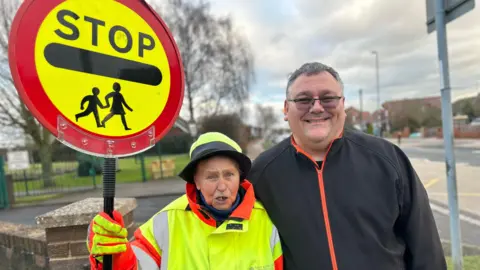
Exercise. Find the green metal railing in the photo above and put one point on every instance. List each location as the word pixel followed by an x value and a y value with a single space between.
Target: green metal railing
pixel 4 202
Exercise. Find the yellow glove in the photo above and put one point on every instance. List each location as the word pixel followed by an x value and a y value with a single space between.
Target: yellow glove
pixel 107 236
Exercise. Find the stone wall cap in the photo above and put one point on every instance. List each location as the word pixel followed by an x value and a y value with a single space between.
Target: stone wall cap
pixel 22 230
pixel 82 212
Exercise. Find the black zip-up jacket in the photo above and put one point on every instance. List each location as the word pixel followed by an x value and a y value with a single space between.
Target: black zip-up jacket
pixel 364 208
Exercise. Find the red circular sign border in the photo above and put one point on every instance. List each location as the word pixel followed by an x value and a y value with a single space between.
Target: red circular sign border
pixel 22 39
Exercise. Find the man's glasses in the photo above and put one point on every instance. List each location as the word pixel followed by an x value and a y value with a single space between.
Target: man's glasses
pixel 305 103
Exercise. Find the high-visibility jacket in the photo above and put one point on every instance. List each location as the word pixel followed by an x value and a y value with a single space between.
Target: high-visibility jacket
pixel 184 236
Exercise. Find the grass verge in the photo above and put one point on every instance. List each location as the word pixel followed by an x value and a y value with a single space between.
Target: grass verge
pixel 469 263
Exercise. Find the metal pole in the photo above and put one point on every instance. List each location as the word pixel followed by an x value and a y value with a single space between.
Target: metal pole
pixel 360 93
pixel 142 167
pixel 377 68
pixel 447 123
pixel 4 201
pixel 109 176
pixel 160 157
pixel 378 81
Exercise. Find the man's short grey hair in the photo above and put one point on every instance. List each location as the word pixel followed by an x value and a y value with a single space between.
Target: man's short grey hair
pixel 310 69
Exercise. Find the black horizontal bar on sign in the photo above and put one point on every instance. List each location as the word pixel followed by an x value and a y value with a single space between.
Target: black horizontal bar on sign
pixel 85 61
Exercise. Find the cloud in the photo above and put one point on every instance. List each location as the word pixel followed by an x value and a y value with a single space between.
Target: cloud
pixel 284 34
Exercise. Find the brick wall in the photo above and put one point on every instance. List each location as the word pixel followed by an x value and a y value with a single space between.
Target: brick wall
pixel 461 133
pixel 66 246
pixel 22 247
pixel 59 241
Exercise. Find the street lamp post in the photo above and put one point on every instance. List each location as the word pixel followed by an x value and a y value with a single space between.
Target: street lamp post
pixel 378 89
pixel 193 129
pixel 360 94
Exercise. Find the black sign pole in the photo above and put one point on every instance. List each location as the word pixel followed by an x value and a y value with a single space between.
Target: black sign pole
pixel 109 171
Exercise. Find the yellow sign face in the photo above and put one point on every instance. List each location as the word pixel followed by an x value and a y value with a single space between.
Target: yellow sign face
pixel 102 66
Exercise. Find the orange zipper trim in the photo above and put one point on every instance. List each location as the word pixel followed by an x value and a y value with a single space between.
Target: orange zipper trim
pixel 326 218
pixel 327 221
pixel 323 199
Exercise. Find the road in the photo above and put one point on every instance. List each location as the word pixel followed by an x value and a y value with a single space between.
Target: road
pixel 147 207
pixel 466 151
pixel 437 153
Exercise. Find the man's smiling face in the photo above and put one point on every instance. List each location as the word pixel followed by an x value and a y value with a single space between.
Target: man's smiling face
pixel 313 124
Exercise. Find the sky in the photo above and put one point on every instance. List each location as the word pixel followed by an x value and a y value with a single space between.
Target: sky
pixel 284 34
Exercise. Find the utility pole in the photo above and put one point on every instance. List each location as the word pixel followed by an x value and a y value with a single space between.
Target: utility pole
pixel 439 13
pixel 447 123
pixel 360 95
pixel 379 117
pixel 377 68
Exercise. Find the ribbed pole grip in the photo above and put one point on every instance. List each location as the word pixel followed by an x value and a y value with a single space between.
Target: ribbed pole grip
pixel 109 178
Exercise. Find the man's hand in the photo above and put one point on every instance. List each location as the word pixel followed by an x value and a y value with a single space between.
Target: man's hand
pixel 107 236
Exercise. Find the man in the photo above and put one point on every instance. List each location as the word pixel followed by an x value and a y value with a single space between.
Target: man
pixel 342 199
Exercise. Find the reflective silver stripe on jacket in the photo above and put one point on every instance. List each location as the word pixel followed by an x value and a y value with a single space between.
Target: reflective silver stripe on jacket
pixel 144 261
pixel 160 233
pixel 274 238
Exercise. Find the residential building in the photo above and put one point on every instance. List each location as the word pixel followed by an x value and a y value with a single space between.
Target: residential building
pixel 413 113
pixel 355 117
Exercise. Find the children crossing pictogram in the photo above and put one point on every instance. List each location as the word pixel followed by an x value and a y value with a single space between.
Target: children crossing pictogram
pixel 116 108
pixel 93 104
pixel 117 105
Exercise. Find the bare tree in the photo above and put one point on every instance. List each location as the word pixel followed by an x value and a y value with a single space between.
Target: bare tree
pixel 14 115
pixel 266 119
pixel 232 74
pixel 431 117
pixel 218 63
pixel 469 110
pixel 228 124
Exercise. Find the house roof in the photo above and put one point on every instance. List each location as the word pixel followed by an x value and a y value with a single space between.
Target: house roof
pixel 433 101
pixel 182 124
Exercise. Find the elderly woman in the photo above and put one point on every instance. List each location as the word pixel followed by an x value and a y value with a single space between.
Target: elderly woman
pixel 217 224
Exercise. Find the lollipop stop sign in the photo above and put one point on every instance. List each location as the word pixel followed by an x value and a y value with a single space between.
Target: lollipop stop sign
pixel 105 77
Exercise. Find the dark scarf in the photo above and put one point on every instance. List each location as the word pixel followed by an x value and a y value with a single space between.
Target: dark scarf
pixel 219 215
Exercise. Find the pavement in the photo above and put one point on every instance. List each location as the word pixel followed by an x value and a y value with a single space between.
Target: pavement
pixel 152 188
pixel 428 158
pixel 434 178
